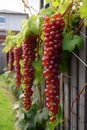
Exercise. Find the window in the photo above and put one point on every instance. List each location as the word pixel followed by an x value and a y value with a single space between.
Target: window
pixel 2 19
pixel 2 22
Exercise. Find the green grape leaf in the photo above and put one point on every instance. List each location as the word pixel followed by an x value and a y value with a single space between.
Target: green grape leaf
pixel 69 43
pixel 47 12
pixel 46 1
pixel 9 43
pixel 54 2
pixel 59 115
pixel 78 41
pixel 38 71
pixel 26 32
pixel 40 116
pixel 33 24
pixel 63 67
pixel 32 112
pixel 75 20
pixel 63 7
pixel 52 125
pixel 83 11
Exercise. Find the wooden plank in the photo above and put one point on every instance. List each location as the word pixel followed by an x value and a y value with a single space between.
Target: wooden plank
pixel 81 83
pixel 73 93
pixel 85 110
pixel 66 100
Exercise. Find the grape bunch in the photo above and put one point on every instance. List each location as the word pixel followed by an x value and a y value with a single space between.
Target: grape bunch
pixel 7 58
pixel 17 58
pixel 52 31
pixel 11 60
pixel 28 46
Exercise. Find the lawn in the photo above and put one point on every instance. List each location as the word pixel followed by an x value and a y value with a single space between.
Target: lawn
pixel 7 115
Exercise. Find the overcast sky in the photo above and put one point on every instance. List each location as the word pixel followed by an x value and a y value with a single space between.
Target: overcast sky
pixel 17 4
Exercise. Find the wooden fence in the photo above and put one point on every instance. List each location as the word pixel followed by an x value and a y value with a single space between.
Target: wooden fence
pixel 2 59
pixel 74 106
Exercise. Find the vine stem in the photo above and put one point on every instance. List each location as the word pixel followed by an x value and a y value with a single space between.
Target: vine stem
pixel 50 1
pixel 28 6
pixel 40 94
pixel 79 26
pixel 69 6
pixel 71 108
pixel 80 59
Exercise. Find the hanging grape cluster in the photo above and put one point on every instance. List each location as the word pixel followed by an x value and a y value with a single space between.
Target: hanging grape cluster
pixel 29 46
pixel 52 31
pixel 7 58
pixel 17 58
pixel 11 60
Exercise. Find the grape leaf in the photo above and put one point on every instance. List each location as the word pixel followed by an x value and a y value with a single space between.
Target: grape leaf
pixel 26 32
pixel 83 11
pixel 59 115
pixel 63 67
pixel 63 7
pixel 78 41
pixel 69 43
pixel 38 71
pixel 51 126
pixel 47 12
pixel 40 116
pixel 46 1
pixel 54 2
pixel 9 43
pixel 33 24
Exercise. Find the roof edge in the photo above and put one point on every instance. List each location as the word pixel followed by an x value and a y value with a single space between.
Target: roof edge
pixel 6 11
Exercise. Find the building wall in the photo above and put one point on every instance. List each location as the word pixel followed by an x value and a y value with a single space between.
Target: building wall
pixel 12 21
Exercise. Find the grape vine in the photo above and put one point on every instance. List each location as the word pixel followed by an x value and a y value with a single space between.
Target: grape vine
pixel 47 38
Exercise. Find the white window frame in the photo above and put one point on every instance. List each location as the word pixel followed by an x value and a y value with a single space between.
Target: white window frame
pixel 3 24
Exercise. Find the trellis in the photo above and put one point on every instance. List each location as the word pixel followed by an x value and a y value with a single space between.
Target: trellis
pixel 72 83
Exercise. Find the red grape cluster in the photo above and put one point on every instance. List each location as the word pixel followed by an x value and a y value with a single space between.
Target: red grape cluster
pixel 29 46
pixel 52 31
pixel 7 58
pixel 11 60
pixel 17 58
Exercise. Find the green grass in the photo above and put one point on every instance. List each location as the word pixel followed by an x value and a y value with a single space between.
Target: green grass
pixel 7 115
